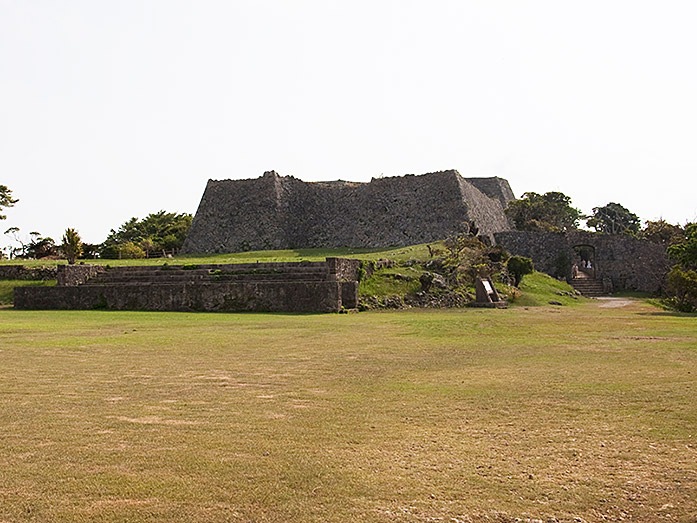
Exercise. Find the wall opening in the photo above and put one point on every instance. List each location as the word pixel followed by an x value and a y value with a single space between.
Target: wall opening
pixel 584 264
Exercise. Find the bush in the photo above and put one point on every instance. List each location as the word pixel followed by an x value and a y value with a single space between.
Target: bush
pixel 682 289
pixel 519 266
pixel 130 251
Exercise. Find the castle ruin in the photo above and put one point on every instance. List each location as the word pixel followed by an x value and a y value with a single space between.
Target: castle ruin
pixel 282 212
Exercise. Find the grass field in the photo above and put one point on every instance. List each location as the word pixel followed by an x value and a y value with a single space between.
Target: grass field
pixel 396 253
pixel 455 415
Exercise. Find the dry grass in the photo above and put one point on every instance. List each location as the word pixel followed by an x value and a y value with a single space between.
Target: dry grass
pixel 461 415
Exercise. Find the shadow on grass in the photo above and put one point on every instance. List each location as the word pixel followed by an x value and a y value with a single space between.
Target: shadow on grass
pixel 675 314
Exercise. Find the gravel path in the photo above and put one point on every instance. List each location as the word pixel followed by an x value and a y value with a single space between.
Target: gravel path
pixel 609 302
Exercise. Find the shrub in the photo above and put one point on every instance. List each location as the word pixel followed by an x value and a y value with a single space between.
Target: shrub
pixel 519 266
pixel 682 289
pixel 130 251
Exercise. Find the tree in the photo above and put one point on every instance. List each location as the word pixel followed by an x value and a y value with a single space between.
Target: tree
pixel 681 285
pixel 72 245
pixel 40 247
pixel 685 252
pixel 16 252
pixel 519 266
pixel 551 211
pixel 613 218
pixel 6 199
pixel 662 232
pixel 156 232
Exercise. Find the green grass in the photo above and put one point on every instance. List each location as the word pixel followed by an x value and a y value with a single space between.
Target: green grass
pixel 382 284
pixel 7 288
pixel 459 415
pixel 397 254
pixel 539 289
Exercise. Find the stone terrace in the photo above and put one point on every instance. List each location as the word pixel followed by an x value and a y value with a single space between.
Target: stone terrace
pixel 328 286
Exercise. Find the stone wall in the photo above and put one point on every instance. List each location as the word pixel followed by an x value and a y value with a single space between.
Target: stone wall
pixel 275 212
pixel 328 286
pixel 343 269
pixel 73 275
pixel 219 297
pixel 628 263
pixel 20 272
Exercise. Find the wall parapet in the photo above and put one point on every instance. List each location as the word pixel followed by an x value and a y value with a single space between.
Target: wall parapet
pixel 22 272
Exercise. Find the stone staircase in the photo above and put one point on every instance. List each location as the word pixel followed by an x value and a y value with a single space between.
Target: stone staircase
pixel 328 286
pixel 588 286
pixel 250 272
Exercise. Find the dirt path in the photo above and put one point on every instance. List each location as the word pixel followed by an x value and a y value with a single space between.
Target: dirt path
pixel 608 302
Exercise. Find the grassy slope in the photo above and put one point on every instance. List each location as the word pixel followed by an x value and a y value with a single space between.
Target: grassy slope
pixel 539 289
pixel 568 412
pixel 397 253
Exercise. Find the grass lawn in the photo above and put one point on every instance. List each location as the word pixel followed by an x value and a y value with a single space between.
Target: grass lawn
pixel 397 253
pixel 453 415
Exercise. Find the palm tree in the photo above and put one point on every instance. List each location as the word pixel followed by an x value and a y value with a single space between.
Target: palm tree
pixel 72 245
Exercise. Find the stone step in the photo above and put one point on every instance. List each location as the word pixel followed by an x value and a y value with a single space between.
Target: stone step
pixel 209 278
pixel 235 270
pixel 588 287
pixel 223 266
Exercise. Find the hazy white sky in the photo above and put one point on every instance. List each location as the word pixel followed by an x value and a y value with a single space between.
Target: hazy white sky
pixel 113 109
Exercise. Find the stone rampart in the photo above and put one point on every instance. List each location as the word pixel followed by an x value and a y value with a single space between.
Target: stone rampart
pixel 628 263
pixel 328 286
pixel 210 297
pixel 275 212
pixel 21 272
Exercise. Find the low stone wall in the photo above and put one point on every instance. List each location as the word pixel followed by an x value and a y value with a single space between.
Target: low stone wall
pixel 21 272
pixel 328 286
pixel 213 297
pixel 74 275
pixel 627 263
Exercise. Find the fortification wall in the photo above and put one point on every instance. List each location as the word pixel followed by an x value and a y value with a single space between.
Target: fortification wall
pixel 289 296
pixel 628 263
pixel 274 212
pixel 494 187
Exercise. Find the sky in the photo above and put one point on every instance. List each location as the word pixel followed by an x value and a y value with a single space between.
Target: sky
pixel 110 110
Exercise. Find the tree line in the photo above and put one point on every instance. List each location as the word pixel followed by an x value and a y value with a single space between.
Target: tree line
pixel 157 234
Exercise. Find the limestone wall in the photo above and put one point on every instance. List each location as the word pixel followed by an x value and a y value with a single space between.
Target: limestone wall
pixel 629 263
pixel 274 212
pixel 73 275
pixel 21 272
pixel 321 296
